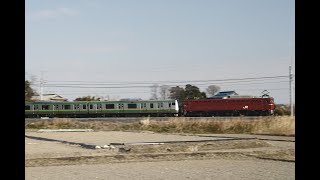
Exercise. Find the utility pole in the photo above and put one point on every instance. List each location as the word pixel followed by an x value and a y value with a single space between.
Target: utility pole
pixel 41 86
pixel 291 90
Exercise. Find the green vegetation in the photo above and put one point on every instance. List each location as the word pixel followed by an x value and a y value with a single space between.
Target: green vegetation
pixel 189 91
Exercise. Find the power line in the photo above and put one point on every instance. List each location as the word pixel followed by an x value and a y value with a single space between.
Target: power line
pixel 169 81
pixel 111 86
pixel 138 92
pixel 147 86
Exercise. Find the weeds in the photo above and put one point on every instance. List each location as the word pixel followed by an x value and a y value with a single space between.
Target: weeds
pixel 275 125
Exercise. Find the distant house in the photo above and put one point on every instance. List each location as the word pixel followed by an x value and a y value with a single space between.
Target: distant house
pixel 49 97
pixel 230 94
pixel 223 94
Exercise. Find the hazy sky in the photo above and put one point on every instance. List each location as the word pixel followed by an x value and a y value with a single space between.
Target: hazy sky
pixel 122 47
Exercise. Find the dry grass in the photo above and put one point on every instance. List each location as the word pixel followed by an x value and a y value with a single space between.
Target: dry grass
pixel 282 125
pixel 275 125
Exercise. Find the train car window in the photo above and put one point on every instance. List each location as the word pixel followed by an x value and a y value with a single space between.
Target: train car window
pixel 84 106
pixel 67 106
pixel 45 107
pixel 151 105
pixel 76 106
pixel 56 107
pixel 143 105
pixel 91 106
pixel 120 106
pixel 173 104
pixel 109 106
pixel 35 107
pixel 27 107
pixel 99 106
pixel 161 105
pixel 132 106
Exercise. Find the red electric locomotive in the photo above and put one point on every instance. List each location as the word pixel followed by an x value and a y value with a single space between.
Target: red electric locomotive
pixel 229 106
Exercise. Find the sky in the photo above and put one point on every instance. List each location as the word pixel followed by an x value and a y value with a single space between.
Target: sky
pixel 119 48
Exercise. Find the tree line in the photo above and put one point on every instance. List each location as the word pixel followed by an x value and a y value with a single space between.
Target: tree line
pixel 157 92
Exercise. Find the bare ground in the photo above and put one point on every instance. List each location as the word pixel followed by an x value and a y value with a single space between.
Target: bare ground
pixel 71 148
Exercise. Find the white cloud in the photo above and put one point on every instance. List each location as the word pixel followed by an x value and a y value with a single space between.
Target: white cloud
pixel 53 13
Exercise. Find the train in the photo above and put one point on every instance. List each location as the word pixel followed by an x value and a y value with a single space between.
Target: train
pixel 207 107
pixel 81 109
pixel 229 106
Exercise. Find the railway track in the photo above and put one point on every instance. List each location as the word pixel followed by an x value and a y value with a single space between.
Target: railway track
pixel 156 118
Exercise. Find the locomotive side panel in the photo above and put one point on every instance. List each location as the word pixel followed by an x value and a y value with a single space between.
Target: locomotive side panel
pixel 228 107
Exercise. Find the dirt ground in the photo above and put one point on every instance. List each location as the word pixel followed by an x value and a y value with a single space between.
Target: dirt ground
pixel 148 155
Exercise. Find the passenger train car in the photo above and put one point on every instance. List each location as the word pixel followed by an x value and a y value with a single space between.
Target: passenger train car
pixel 101 108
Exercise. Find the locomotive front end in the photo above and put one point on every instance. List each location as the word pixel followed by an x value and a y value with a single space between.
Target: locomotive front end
pixel 271 106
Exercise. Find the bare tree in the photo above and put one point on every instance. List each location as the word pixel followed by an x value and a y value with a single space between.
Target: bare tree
pixel 28 90
pixel 87 98
pixel 154 91
pixel 212 89
pixel 164 91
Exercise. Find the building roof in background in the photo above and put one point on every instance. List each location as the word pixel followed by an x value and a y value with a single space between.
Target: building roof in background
pixel 223 94
pixel 49 97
